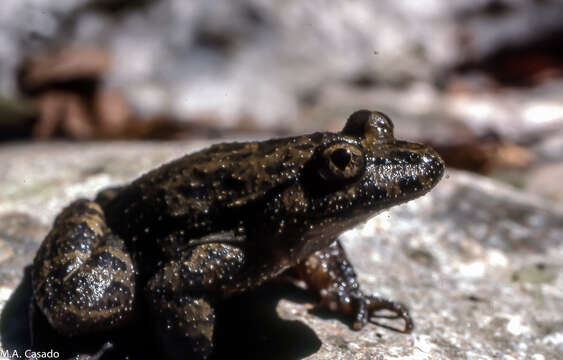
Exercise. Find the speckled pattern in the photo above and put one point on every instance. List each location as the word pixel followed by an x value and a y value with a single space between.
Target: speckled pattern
pixel 223 220
pixel 83 273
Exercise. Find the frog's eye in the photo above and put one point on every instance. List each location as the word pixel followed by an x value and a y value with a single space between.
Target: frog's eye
pixel 341 161
pixel 374 126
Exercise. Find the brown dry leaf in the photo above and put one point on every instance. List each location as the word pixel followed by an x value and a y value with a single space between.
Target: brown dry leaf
pixel 65 66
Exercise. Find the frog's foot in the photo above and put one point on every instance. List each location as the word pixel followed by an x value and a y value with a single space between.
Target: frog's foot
pixel 82 276
pixel 330 274
pixel 364 308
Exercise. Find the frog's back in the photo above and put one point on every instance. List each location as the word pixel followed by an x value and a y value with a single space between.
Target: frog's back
pixel 217 182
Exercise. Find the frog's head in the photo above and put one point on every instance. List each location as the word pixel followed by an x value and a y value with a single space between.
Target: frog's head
pixel 363 169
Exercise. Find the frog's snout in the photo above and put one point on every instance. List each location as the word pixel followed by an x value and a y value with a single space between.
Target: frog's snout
pixel 407 171
pixel 433 166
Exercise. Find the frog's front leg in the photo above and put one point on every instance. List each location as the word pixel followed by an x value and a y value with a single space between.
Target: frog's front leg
pixel 82 276
pixel 182 294
pixel 329 273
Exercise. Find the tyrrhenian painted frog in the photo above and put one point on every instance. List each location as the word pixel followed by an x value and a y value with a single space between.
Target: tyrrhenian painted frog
pixel 224 220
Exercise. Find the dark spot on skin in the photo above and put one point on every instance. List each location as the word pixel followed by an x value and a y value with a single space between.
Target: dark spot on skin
pixel 404 157
pixel 107 260
pixel 200 191
pixel 382 161
pixel 409 185
pixel 273 169
pixel 81 241
pixel 198 174
pixel 234 184
pixel 303 147
pixel 60 272
pixel 379 193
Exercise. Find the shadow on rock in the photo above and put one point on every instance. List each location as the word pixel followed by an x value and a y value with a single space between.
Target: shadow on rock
pixel 14 320
pixel 248 327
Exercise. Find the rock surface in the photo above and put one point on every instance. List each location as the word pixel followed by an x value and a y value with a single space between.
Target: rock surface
pixel 478 263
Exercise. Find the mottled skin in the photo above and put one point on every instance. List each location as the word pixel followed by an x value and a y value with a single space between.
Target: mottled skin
pixel 223 220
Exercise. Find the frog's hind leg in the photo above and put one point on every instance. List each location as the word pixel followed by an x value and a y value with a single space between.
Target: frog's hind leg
pixel 82 276
pixel 329 273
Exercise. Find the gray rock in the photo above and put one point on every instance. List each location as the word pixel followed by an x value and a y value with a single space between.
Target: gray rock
pixel 478 263
pixel 551 147
pixel 546 181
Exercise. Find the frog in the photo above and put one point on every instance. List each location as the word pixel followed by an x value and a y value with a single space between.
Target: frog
pixel 212 224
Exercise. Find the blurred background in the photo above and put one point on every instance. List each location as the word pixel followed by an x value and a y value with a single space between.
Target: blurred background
pixel 481 81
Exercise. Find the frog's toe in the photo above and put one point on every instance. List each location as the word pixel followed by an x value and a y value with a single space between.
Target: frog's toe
pixel 375 304
pixel 364 308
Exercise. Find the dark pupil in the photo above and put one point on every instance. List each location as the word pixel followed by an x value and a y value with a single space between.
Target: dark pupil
pixel 340 158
